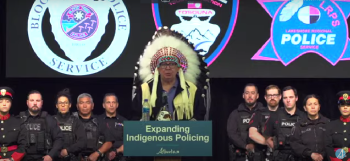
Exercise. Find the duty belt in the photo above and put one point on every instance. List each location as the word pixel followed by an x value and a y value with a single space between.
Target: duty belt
pixel 5 149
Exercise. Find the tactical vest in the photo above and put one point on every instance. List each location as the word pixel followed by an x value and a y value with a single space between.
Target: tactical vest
pixel 285 127
pixel 244 119
pixel 94 139
pixel 39 137
pixel 264 117
pixel 67 131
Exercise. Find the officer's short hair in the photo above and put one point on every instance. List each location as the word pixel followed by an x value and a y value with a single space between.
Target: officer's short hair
pixel 291 88
pixel 251 84
pixel 85 95
pixel 34 92
pixel 272 86
pixel 110 94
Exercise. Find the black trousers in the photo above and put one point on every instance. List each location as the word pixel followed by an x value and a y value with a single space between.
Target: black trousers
pixel 284 156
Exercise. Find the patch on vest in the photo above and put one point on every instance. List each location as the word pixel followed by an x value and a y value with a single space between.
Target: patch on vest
pixel 33 126
pixel 304 131
pixel 246 121
pixel 287 124
pixel 118 124
pixel 66 128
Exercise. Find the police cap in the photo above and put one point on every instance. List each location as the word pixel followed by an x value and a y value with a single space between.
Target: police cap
pixel 343 98
pixel 6 92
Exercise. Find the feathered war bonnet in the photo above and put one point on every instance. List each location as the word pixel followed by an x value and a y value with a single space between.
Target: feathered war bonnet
pixel 169 45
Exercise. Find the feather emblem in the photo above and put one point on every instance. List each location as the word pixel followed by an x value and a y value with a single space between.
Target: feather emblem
pixel 290 9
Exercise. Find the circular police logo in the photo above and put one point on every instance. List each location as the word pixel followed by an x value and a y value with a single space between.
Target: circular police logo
pixel 340 154
pixel 79 22
pixel 78 27
pixel 300 27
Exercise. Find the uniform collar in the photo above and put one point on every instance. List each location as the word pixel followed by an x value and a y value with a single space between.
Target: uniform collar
pixel 297 112
pixel 5 117
pixel 66 115
pixel 344 119
pixel 105 116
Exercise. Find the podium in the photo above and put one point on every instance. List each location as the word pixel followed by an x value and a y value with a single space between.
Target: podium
pixel 167 158
pixel 167 140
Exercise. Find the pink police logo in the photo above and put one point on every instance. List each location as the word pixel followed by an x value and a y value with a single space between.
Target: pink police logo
pixel 79 22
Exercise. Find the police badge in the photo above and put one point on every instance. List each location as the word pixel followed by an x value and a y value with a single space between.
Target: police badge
pixel 3 92
pixel 345 96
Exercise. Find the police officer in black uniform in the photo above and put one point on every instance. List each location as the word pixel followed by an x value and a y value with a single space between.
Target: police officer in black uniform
pixel 45 137
pixel 74 135
pixel 238 122
pixel 114 122
pixel 338 131
pixel 258 120
pixel 279 126
pixel 14 140
pixel 307 140
pixel 99 139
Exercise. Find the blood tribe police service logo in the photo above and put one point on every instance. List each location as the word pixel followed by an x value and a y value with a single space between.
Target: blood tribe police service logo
pixel 301 26
pixel 208 24
pixel 79 22
pixel 77 27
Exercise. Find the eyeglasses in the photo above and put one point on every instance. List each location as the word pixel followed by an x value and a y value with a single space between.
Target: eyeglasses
pixel 63 103
pixel 272 95
pixel 164 65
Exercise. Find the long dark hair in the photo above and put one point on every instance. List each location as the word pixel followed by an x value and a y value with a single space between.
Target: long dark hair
pixel 311 96
pixel 64 93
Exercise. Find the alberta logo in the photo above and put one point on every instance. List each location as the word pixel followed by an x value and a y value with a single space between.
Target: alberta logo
pixel 301 26
pixel 78 26
pixel 195 20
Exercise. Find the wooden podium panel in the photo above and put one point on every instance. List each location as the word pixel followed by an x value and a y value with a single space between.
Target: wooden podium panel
pixel 167 158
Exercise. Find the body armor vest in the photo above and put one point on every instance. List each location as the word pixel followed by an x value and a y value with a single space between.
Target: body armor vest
pixel 94 140
pixel 285 128
pixel 39 137
pixel 244 119
pixel 264 117
pixel 67 131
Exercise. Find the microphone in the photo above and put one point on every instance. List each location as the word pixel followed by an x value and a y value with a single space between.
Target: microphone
pixel 165 98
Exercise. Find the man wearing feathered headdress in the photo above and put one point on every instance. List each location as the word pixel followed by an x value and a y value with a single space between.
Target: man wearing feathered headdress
pixel 171 67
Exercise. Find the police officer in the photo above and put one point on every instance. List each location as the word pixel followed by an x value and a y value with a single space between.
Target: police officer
pixel 74 135
pixel 99 139
pixel 307 135
pixel 238 122
pixel 259 118
pixel 279 125
pixel 45 138
pixel 337 131
pixel 114 122
pixel 13 141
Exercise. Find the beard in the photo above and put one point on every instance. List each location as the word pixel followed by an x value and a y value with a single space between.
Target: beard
pixel 35 111
pixel 272 103
pixel 250 104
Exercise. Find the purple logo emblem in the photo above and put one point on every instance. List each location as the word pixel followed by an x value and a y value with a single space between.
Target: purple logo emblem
pixel 79 22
